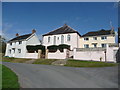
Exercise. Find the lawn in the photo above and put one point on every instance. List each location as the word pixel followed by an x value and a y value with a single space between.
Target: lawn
pixel 14 60
pixel 9 78
pixel 44 61
pixel 78 63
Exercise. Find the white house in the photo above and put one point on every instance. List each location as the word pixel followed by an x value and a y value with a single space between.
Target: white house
pixel 16 47
pixel 62 35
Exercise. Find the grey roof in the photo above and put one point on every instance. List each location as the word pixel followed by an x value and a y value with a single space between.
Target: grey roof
pixel 20 38
pixel 98 33
pixel 62 30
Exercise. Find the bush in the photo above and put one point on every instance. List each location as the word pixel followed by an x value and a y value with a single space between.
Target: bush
pixel 32 48
pixel 52 48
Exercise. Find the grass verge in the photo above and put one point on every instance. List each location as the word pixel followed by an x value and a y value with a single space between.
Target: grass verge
pixel 78 63
pixel 14 60
pixel 44 61
pixel 9 78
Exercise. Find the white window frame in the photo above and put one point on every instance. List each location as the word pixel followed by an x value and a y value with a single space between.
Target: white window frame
pixel 48 39
pixel 103 37
pixel 19 50
pixel 86 39
pixel 94 38
pixel 86 45
pixel 103 45
pixel 68 37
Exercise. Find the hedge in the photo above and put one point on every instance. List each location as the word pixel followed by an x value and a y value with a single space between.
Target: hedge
pixel 35 48
pixel 54 48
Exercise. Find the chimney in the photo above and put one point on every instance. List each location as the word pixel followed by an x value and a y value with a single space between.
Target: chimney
pixel 17 34
pixel 33 31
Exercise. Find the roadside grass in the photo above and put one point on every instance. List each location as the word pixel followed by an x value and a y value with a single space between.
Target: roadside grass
pixel 78 63
pixel 45 61
pixel 9 78
pixel 14 60
pixel 0 76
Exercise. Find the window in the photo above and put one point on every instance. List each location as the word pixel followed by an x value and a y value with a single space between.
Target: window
pixel 86 45
pixel 48 39
pixel 58 38
pixel 94 38
pixel 11 43
pixel 54 40
pixel 10 51
pixel 103 45
pixel 19 50
pixel 13 50
pixel 86 39
pixel 68 37
pixel 62 39
pixel 20 42
pixel 103 37
pixel 94 45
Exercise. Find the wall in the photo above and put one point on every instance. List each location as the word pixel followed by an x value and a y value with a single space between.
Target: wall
pixel 95 55
pixel 74 42
pixel 32 55
pixel 89 55
pixel 57 55
pixel 17 46
pixel 33 40
pixel 110 39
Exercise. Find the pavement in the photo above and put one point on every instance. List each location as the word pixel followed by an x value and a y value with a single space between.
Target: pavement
pixel 49 76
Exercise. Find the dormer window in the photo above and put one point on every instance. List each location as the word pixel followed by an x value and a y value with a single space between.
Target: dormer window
pixel 68 38
pixel 103 37
pixel 86 39
pixel 20 42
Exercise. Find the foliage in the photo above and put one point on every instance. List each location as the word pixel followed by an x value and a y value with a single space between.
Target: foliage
pixel 54 48
pixel 9 78
pixel 35 48
pixel 2 44
pixel 78 63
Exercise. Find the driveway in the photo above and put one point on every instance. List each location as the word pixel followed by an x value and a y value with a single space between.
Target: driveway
pixel 48 76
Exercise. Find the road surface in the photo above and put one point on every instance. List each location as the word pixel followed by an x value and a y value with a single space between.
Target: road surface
pixel 48 76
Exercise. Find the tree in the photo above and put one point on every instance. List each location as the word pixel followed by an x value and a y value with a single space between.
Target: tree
pixel 2 44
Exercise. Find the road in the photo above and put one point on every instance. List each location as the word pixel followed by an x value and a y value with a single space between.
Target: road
pixel 48 76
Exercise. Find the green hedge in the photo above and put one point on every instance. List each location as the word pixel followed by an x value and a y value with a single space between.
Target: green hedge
pixel 35 48
pixel 54 48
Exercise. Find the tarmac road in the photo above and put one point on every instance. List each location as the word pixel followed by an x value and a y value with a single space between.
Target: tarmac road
pixel 49 76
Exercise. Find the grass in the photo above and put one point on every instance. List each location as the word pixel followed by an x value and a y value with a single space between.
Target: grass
pixel 14 60
pixel 78 63
pixel 44 61
pixel 9 78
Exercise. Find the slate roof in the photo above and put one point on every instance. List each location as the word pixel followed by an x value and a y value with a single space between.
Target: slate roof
pixel 20 38
pixel 62 30
pixel 98 33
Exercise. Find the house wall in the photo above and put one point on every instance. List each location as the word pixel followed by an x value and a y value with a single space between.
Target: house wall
pixel 110 39
pixel 74 42
pixel 32 40
pixel 32 55
pixel 57 55
pixel 17 46
pixel 95 55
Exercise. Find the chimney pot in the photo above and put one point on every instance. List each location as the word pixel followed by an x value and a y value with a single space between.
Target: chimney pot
pixel 17 34
pixel 33 31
